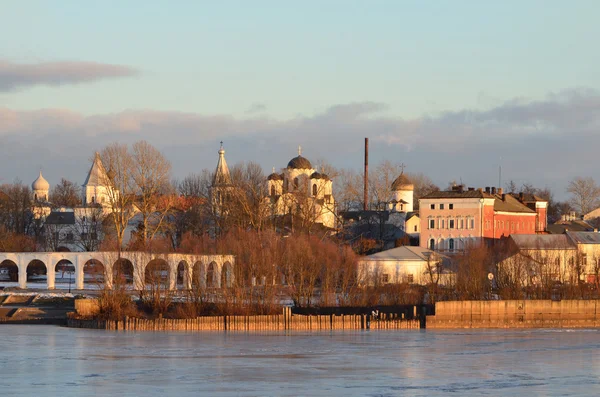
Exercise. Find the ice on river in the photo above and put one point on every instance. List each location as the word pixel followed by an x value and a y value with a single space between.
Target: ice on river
pixel 54 361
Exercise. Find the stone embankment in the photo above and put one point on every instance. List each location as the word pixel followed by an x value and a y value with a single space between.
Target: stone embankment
pixel 516 314
pixel 279 322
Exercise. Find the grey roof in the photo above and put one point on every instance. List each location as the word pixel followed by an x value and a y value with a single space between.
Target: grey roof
pixel 564 226
pixel 97 175
pixel 60 218
pixel 403 253
pixel 584 237
pixel 542 241
pixel 300 162
pixel 411 214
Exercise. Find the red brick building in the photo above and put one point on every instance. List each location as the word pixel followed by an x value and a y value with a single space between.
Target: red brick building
pixel 451 220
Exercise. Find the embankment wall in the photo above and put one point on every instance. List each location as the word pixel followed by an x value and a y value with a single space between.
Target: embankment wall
pixel 516 314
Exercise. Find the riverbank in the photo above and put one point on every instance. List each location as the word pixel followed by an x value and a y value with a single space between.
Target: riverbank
pixel 35 308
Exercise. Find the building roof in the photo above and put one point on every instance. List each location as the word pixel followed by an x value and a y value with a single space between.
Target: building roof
pixel 222 176
pixel 510 204
pixel 402 183
pixel 527 198
pixel 584 237
pixel 300 162
pixel 40 183
pixel 275 177
pixel 576 225
pixel 97 175
pixel 411 214
pixel 542 241
pixel 403 253
pixel 61 218
pixel 458 194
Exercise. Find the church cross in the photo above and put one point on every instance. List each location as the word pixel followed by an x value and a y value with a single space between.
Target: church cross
pixel 299 150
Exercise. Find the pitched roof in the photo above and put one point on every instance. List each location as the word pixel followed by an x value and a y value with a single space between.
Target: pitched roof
pixel 403 253
pixel 584 237
pixel 457 194
pixel 60 218
pixel 576 225
pixel 542 241
pixel 97 175
pixel 510 204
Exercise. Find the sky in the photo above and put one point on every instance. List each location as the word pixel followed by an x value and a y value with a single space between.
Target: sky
pixel 453 89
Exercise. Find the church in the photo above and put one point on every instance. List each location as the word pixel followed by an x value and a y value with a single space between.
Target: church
pixel 298 191
pixel 79 228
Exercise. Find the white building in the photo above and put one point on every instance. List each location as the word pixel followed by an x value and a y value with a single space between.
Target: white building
pixel 299 190
pixel 405 264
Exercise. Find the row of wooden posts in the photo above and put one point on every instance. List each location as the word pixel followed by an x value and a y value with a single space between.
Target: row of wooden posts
pixel 278 322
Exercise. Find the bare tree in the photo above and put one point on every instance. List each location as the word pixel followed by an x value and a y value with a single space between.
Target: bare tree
pixel 121 187
pixel 65 194
pixel 151 173
pixel 584 194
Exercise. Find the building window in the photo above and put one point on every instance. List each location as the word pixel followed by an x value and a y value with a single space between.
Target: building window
pixel 441 206
pixel 296 183
pixel 451 244
pixel 471 223
pixel 451 224
pixel 416 228
pixel 385 278
pixel 432 244
pixel 432 223
pixel 409 278
pixel 584 260
pixel 314 189
pixel 272 190
pixel 450 206
pixel 432 206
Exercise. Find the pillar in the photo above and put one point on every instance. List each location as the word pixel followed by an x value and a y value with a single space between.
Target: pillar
pixel 173 276
pixel 217 276
pixel 187 276
pixel 78 273
pixel 50 272
pixel 138 275
pixel 22 274
pixel 108 276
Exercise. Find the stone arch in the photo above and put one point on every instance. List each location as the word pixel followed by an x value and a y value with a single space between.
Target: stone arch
pixel 35 270
pixel 157 272
pixel 183 275
pixel 227 275
pixel 9 271
pixel 123 270
pixel 199 275
pixel 211 275
pixel 95 272
pixel 65 270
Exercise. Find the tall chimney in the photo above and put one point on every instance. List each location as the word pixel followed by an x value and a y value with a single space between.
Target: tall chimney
pixel 366 181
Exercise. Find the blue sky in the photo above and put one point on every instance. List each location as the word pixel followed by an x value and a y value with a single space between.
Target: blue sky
pixel 266 73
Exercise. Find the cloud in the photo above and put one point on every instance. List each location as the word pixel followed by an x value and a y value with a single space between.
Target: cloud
pixel 545 142
pixel 14 76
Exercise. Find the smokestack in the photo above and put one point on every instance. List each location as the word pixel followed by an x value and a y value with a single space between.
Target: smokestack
pixel 366 181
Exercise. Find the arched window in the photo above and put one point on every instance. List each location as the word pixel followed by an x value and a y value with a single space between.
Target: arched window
pixel 451 244
pixel 35 197
pixel 296 183
pixel 272 190
pixel 314 189
pixel 93 200
pixel 432 244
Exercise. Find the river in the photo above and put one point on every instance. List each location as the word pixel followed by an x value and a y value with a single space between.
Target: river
pixel 56 361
